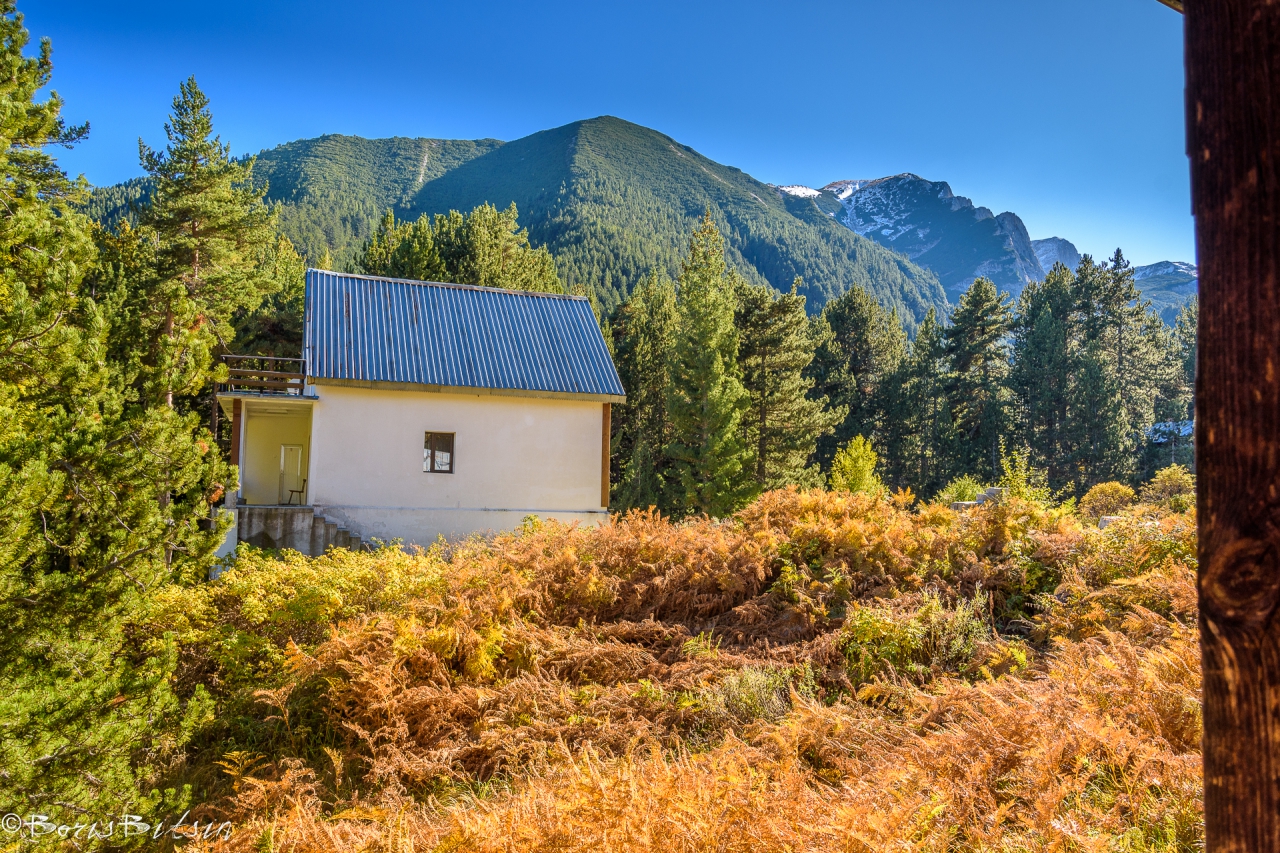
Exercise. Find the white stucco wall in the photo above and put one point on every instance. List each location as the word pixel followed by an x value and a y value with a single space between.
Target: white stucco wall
pixel 513 457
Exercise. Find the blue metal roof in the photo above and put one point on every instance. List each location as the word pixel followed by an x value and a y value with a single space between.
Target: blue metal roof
pixel 363 329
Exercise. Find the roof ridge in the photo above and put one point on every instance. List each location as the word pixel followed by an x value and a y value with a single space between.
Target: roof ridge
pixel 449 284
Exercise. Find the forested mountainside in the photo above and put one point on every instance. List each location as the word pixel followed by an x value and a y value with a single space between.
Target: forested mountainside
pixel 611 200
pixel 332 190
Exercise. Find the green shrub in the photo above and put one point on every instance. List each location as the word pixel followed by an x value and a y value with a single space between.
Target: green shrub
pixel 854 468
pixel 964 488
pixel 1022 481
pixel 932 637
pixel 750 694
pixel 1173 487
pixel 1106 499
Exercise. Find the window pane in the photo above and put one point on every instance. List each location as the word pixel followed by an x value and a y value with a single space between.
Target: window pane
pixel 444 453
pixel 426 453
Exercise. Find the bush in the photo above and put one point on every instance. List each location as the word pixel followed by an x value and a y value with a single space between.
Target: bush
pixel 963 488
pixel 854 468
pixel 1106 499
pixel 1173 487
pixel 1022 481
pixel 750 694
pixel 915 643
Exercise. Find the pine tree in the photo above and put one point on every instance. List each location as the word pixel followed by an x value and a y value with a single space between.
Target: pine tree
pixel 274 328
pixel 858 345
pixel 486 247
pixel 644 334
pixel 706 400
pixel 1041 375
pixel 915 432
pixel 95 490
pixel 1185 333
pixel 214 235
pixel 1171 354
pixel 978 369
pixel 1113 393
pixel 783 422
pixel 404 250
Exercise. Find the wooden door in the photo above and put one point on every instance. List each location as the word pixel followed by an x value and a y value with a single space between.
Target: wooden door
pixel 291 473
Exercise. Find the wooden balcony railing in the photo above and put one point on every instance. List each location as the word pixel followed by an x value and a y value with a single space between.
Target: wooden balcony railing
pixel 264 374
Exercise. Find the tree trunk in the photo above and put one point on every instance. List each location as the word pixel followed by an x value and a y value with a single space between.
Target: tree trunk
pixel 1233 140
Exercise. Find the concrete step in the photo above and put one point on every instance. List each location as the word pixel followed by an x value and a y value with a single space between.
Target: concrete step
pixel 297 528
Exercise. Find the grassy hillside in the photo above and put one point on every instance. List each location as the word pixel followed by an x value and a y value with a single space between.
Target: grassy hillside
pixel 612 199
pixel 821 668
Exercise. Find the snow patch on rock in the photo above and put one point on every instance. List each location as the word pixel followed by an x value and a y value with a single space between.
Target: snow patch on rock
pixel 1180 268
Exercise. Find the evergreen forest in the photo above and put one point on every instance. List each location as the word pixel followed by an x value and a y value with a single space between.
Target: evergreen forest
pixel 864 542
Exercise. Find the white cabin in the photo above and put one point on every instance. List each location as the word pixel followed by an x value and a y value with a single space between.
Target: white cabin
pixel 422 410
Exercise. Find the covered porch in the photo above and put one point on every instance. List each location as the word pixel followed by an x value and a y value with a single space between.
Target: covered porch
pixel 266 403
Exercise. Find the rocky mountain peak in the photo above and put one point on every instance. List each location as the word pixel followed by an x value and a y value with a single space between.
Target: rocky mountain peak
pixel 938 229
pixel 1055 250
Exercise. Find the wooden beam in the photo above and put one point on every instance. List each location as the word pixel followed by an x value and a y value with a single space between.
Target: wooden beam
pixel 237 407
pixel 1175 5
pixel 259 358
pixel 279 385
pixel 606 429
pixel 244 371
pixel 1233 140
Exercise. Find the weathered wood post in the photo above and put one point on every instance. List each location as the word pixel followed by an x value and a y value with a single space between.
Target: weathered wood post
pixel 1233 140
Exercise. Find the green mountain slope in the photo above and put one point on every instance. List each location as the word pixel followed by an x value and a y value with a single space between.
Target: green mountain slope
pixel 611 200
pixel 334 189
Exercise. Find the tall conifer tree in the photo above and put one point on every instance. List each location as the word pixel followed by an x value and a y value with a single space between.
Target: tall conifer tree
pixel 486 247
pixel 214 237
pixel 783 422
pixel 859 344
pixel 916 433
pixel 1108 401
pixel 706 400
pixel 100 477
pixel 978 360
pixel 1042 372
pixel 644 334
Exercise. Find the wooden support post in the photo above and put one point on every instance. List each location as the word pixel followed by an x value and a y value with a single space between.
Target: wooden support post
pixel 606 429
pixel 235 431
pixel 1233 140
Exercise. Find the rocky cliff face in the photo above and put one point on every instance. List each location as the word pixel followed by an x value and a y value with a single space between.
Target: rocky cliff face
pixel 1055 250
pixel 1167 285
pixel 940 230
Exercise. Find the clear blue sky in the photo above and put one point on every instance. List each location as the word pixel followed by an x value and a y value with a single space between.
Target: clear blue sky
pixel 1068 114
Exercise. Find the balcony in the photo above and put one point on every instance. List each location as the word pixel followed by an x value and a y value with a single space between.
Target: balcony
pixel 264 375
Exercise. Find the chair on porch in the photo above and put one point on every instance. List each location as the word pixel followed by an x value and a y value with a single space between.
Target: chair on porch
pixel 299 492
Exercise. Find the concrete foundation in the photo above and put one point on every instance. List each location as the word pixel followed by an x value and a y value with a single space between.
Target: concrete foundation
pixel 298 528
pixel 416 526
